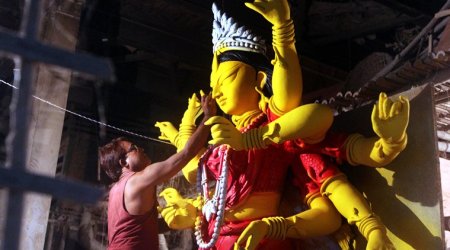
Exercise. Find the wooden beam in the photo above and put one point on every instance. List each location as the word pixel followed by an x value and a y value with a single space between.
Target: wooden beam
pixel 366 29
pixel 396 5
pixel 151 38
pixel 58 188
pixel 36 51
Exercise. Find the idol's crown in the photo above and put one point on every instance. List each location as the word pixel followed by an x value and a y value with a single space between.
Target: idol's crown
pixel 228 35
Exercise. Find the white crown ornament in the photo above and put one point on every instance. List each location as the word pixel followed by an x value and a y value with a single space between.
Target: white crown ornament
pixel 228 35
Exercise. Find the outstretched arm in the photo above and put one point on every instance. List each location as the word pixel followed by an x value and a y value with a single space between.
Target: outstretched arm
pixel 287 83
pixel 321 219
pixel 161 171
pixel 180 138
pixel 389 121
pixel 309 122
pixel 190 170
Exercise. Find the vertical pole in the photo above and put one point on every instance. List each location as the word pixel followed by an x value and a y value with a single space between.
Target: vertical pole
pixel 20 114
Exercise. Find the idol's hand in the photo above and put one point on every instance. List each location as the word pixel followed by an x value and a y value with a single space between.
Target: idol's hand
pixel 179 213
pixel 252 235
pixel 193 110
pixel 224 132
pixel 378 240
pixel 390 119
pixel 275 11
pixel 168 132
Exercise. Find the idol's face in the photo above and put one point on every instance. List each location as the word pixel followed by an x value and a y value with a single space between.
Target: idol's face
pixel 233 87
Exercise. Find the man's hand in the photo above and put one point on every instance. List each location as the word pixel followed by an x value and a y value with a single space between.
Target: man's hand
pixel 390 119
pixel 168 132
pixel 208 105
pixel 252 235
pixel 224 132
pixel 275 11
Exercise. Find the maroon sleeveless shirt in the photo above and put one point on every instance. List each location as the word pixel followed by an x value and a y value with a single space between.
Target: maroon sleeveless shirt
pixel 126 231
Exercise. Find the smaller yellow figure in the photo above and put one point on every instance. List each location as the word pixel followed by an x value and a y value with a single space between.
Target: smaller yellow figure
pixel 179 217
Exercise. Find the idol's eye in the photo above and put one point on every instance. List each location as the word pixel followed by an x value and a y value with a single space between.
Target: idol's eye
pixel 227 81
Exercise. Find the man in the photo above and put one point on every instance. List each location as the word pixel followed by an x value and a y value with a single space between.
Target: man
pixel 132 213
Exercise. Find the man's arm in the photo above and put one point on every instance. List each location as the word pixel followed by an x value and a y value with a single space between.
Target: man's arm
pixel 161 171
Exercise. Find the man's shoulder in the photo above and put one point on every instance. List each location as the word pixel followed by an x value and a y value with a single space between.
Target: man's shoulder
pixel 135 183
pixel 138 198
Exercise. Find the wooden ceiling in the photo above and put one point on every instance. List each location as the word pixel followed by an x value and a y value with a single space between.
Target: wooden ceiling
pixel 332 36
pixel 162 48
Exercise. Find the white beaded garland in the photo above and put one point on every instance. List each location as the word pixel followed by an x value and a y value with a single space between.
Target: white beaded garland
pixel 217 204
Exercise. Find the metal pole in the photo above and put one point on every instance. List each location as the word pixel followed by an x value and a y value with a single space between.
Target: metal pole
pixel 20 115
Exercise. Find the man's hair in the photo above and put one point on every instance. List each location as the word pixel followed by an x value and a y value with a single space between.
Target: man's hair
pixel 109 157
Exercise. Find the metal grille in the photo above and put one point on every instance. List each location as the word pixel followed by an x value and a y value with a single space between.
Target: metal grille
pixel 28 50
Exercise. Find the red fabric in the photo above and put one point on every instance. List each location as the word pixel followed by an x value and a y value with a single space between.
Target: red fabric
pixel 130 232
pixel 304 184
pixel 255 170
pixel 320 160
pixel 333 145
pixel 264 170
pixel 315 162
pixel 319 167
pixel 261 170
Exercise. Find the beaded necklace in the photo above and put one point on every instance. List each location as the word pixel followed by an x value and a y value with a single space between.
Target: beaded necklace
pixel 216 204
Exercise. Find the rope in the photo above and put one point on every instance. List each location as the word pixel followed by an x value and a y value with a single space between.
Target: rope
pixel 87 118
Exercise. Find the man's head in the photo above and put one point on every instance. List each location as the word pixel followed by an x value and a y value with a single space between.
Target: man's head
pixel 121 153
